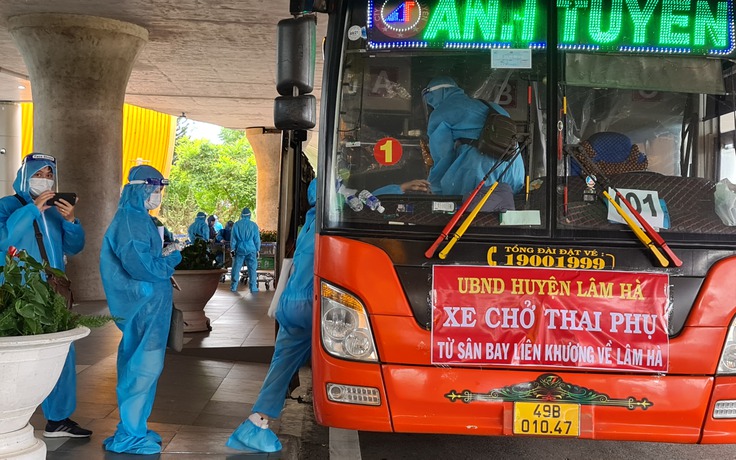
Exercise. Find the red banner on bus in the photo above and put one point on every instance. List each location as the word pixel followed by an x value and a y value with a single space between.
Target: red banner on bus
pixel 547 317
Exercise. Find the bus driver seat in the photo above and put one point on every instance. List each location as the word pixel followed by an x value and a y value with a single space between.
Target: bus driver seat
pixel 613 153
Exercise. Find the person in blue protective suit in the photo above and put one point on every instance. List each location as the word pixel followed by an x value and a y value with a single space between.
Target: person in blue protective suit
pixel 245 242
pixel 211 228
pixel 293 342
pixel 223 242
pixel 459 167
pixel 199 228
pixel 218 224
pixel 136 276
pixel 34 185
pixel 224 235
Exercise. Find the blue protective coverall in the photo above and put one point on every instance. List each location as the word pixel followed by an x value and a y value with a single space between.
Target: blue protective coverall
pixel 199 228
pixel 136 278
pixel 293 342
pixel 458 169
pixel 223 239
pixel 245 242
pixel 59 237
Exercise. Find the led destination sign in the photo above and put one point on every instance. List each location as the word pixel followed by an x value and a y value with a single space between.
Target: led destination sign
pixel 704 27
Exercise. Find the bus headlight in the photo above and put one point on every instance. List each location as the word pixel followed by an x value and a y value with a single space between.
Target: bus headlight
pixel 346 332
pixel 727 363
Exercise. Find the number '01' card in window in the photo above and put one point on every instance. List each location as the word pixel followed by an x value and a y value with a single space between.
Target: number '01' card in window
pixel 646 202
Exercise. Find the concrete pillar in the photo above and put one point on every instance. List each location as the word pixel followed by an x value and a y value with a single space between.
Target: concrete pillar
pixel 10 145
pixel 266 145
pixel 79 68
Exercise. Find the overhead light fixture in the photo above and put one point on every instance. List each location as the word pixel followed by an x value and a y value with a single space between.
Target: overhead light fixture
pixel 181 118
pixel 21 87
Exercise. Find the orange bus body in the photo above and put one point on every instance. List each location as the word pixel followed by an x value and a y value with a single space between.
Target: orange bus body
pixel 414 393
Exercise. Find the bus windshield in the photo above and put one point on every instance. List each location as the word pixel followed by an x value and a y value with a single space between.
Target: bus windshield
pixel 407 151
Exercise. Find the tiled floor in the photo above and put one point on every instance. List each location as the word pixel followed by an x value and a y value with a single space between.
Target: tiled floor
pixel 204 393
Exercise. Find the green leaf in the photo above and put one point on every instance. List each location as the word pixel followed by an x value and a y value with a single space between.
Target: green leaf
pixel 8 322
pixel 56 272
pixel 38 292
pixel 24 308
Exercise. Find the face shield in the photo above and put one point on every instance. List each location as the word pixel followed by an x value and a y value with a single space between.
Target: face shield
pixel 38 174
pixel 153 188
pixel 152 184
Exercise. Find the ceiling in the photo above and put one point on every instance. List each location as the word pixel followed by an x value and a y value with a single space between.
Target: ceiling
pixel 214 60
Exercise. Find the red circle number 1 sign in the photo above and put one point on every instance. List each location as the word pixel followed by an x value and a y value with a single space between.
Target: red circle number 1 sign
pixel 387 151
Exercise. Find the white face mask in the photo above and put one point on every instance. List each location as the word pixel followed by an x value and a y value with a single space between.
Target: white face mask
pixel 153 201
pixel 38 185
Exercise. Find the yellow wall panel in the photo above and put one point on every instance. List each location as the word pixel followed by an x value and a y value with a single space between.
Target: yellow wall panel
pixel 148 137
pixel 26 141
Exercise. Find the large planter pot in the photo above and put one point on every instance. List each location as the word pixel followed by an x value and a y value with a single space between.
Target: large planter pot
pixel 197 288
pixel 29 368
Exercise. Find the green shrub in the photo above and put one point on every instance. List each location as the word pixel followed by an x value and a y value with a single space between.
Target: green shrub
pixel 269 236
pixel 197 256
pixel 28 304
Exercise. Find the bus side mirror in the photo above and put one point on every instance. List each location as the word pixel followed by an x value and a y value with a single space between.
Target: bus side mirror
pixel 295 112
pixel 296 55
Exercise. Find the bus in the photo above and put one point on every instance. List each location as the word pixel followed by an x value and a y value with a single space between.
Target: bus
pixel 578 284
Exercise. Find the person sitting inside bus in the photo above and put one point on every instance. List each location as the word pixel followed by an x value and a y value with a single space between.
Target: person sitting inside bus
pixel 412 186
pixel 458 166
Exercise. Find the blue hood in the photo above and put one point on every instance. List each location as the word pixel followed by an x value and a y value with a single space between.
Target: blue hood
pixel 28 169
pixel 439 89
pixel 134 195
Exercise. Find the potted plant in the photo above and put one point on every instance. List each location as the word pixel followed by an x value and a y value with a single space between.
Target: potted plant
pixel 197 275
pixel 36 329
pixel 269 236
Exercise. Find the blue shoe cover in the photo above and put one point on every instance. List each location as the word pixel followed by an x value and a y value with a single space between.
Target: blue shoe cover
pixel 250 437
pixel 123 444
pixel 153 436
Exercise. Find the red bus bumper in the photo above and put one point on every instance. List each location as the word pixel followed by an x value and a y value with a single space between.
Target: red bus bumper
pixel 418 399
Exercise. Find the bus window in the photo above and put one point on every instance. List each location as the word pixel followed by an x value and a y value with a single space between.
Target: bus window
pixel 386 143
pixel 649 131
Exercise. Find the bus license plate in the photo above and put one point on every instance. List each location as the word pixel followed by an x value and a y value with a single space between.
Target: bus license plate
pixel 547 419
